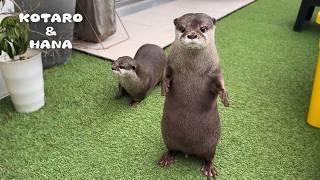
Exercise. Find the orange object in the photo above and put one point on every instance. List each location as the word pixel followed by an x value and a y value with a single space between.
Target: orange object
pixel 318 18
pixel 314 109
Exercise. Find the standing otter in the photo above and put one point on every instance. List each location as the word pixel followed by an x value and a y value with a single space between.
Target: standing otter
pixel 140 75
pixel 192 82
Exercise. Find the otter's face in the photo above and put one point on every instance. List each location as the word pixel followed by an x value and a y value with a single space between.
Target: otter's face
pixel 124 67
pixel 195 31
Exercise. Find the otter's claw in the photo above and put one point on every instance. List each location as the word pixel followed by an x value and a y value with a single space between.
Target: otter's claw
pixel 165 88
pixel 209 170
pixel 167 159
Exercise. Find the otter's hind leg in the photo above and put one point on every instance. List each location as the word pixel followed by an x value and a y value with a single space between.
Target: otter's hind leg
pixel 208 169
pixel 167 158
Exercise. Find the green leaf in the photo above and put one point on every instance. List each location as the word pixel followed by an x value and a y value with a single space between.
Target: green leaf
pixel 12 50
pixel 2 36
pixel 13 36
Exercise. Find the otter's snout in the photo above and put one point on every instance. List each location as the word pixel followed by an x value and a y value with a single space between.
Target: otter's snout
pixel 192 35
pixel 115 68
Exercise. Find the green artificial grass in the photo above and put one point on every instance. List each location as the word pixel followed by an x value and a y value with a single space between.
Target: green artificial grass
pixel 82 132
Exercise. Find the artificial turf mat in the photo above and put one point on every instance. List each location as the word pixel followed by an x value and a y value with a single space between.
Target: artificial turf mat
pixel 82 132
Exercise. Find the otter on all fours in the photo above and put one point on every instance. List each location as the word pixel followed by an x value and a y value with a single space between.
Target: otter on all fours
pixel 138 76
pixel 191 84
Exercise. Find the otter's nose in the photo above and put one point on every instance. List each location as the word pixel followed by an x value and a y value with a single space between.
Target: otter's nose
pixel 192 36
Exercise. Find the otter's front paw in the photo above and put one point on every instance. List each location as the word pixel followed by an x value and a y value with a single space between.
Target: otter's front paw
pixel 224 98
pixel 167 159
pixel 133 103
pixel 118 96
pixel 164 88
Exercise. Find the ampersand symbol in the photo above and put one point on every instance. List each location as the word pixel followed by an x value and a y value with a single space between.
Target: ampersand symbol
pixel 50 31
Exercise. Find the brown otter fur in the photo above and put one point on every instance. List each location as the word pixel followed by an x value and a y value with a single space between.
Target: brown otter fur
pixel 192 83
pixel 138 76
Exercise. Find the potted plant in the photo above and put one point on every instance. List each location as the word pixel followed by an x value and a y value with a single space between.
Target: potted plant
pixel 21 67
pixel 3 10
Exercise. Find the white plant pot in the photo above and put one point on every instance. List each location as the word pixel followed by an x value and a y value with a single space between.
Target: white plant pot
pixel 24 79
pixel 3 87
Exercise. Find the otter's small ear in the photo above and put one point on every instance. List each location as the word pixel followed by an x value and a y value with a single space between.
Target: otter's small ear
pixel 175 21
pixel 214 20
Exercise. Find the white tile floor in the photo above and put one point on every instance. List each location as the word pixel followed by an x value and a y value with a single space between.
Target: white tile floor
pixel 155 25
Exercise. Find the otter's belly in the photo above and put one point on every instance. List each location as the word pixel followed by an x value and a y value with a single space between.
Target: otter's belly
pixel 191 92
pixel 190 120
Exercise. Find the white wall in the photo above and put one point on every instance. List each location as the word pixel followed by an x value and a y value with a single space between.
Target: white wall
pixel 8 7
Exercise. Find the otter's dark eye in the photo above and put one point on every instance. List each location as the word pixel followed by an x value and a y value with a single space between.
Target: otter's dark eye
pixel 121 67
pixel 182 29
pixel 204 29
